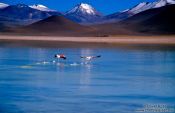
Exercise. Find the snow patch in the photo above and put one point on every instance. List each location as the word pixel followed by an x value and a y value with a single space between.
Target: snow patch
pixel 83 8
pixel 140 7
pixel 3 5
pixel 40 7
pixel 87 8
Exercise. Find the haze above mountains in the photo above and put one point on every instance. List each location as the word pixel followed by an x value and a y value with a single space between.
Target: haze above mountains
pixel 39 16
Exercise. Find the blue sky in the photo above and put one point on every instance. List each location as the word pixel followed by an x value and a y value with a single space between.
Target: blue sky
pixel 104 6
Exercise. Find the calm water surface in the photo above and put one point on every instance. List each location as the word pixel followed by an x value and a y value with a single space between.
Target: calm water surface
pixel 121 81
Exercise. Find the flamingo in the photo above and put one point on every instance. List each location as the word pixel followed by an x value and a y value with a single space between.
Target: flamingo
pixel 60 56
pixel 89 58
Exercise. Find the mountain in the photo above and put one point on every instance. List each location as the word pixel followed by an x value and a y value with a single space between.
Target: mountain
pixel 83 13
pixel 21 14
pixel 137 9
pixel 41 8
pixel 158 20
pixel 2 5
pixel 146 5
pixel 145 18
pixel 55 25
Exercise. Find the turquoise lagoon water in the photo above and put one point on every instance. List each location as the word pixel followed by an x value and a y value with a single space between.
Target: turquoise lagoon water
pixel 121 81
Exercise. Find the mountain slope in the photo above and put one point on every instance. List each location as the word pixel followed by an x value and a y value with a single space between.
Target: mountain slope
pixel 83 13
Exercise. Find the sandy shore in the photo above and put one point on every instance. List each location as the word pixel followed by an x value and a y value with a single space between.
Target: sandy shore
pixel 117 40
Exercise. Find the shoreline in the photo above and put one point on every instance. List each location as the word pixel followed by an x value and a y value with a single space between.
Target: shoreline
pixel 87 41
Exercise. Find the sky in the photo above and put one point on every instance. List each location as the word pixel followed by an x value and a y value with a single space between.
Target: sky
pixel 103 6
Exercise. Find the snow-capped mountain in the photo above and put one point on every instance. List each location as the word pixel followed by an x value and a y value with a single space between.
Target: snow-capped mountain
pixel 83 8
pixel 23 14
pixel 83 13
pixel 161 3
pixel 146 5
pixel 2 5
pixel 41 7
pixel 138 8
pixel 155 21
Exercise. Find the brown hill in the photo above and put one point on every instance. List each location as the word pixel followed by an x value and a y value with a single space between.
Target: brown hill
pixel 56 25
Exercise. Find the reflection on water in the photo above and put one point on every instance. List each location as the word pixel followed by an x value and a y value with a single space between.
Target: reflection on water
pixel 121 81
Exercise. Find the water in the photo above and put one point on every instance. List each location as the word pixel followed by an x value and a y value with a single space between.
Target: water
pixel 121 81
